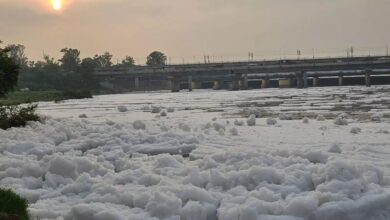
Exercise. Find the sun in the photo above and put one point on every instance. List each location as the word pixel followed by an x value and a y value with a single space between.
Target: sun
pixel 57 4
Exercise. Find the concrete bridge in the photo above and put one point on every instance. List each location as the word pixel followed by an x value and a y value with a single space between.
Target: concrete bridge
pixel 238 75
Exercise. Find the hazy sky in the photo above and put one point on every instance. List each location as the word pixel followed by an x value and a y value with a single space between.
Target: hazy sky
pixel 193 28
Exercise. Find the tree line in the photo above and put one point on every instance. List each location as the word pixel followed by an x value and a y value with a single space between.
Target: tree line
pixel 70 72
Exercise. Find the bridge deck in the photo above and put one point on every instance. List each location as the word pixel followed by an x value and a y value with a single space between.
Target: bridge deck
pixel 261 67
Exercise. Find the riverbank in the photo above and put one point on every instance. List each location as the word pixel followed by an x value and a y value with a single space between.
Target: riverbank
pixel 16 98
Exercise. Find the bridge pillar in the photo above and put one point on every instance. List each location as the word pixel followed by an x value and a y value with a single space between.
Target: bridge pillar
pixel 235 85
pixel 136 83
pixel 236 82
pixel 316 81
pixel 217 85
pixel 175 85
pixel 265 83
pixel 196 85
pixel 244 82
pixel 284 83
pixel 190 83
pixel 340 79
pixel 299 80
pixel 305 81
pixel 368 78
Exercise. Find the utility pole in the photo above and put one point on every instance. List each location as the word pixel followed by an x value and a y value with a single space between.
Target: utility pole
pixel 313 53
pixel 351 51
pixel 251 56
pixel 387 50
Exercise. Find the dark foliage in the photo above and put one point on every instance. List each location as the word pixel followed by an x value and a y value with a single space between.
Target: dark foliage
pixel 70 60
pixel 128 62
pixel 17 116
pixel 156 58
pixel 12 206
pixel 9 72
pixel 84 94
pixel 104 60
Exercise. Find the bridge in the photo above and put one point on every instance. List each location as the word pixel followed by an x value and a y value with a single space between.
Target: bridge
pixel 288 73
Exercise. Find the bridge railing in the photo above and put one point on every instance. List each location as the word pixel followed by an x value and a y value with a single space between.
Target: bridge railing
pixel 276 64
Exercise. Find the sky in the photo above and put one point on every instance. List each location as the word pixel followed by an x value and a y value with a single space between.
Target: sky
pixel 187 30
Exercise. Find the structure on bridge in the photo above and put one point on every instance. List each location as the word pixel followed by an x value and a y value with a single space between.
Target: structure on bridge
pixel 240 75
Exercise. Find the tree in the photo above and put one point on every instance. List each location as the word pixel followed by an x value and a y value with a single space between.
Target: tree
pixel 128 61
pixel 16 52
pixel 50 65
pixel 41 75
pixel 156 58
pixel 88 66
pixel 103 61
pixel 9 72
pixel 70 60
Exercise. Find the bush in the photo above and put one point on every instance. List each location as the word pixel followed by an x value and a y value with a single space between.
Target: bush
pixel 12 206
pixel 76 94
pixel 17 116
pixel 16 98
pixel 84 94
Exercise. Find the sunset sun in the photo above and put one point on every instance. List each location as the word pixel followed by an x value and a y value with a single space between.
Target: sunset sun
pixel 57 4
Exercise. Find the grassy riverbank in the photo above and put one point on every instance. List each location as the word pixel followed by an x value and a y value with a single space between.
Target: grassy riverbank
pixel 16 98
